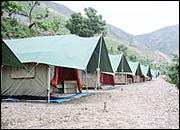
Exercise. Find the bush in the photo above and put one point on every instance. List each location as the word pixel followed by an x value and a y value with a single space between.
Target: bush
pixel 173 72
pixel 43 25
pixel 10 28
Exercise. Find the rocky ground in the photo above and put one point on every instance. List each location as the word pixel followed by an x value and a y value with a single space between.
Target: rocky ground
pixel 150 105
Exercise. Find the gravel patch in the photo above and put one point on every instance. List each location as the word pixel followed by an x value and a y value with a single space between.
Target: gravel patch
pixel 150 105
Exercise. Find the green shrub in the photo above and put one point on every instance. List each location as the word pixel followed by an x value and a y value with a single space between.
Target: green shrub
pixel 43 25
pixel 10 28
pixel 172 71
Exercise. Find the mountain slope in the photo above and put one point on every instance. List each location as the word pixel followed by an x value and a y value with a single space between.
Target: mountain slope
pixel 58 8
pixel 119 34
pixel 115 36
pixel 165 40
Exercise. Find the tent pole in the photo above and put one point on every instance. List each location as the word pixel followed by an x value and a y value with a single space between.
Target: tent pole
pixel 86 81
pixel 98 77
pixel 1 73
pixel 98 69
pixel 48 83
pixel 122 68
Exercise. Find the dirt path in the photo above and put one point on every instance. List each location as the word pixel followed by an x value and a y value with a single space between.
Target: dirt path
pixel 153 104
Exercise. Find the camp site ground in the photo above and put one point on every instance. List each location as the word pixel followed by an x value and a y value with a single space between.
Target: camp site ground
pixel 152 104
pixel 138 96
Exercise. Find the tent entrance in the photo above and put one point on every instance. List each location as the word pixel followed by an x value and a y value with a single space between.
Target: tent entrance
pixel 130 79
pixel 107 79
pixel 142 78
pixel 65 81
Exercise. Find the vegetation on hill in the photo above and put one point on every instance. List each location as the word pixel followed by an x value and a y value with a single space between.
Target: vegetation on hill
pixel 35 24
pixel 48 23
pixel 86 27
pixel 171 70
pixel 10 27
pixel 52 19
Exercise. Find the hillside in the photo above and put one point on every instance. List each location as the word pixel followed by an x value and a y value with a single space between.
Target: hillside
pixel 115 36
pixel 59 9
pixel 56 11
pixel 165 40
pixel 119 34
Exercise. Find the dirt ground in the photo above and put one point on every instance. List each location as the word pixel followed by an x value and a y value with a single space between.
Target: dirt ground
pixel 150 105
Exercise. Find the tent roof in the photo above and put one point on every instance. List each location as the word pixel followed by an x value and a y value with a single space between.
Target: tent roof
pixel 149 72
pixel 8 57
pixel 119 62
pixel 115 61
pixel 61 50
pixel 135 67
pixel 146 71
pixel 154 72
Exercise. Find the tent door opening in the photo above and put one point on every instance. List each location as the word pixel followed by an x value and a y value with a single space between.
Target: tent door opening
pixel 65 81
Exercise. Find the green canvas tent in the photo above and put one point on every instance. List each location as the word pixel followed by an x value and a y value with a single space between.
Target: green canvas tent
pixel 64 50
pixel 42 54
pixel 136 71
pixel 119 63
pixel 135 67
pixel 121 68
pixel 154 72
pixel 158 72
pixel 8 57
pixel 146 71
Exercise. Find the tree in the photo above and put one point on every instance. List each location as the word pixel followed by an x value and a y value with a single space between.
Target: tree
pixel 29 13
pixel 95 22
pixel 10 7
pixel 132 58
pixel 173 73
pixel 111 50
pixel 40 16
pixel 122 49
pixel 55 24
pixel 76 24
pixel 86 27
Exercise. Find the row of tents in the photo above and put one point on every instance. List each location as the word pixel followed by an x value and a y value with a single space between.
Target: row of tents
pixel 49 66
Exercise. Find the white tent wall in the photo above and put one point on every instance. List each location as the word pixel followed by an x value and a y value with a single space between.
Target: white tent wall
pixel 148 78
pixel 137 79
pixel 120 78
pixel 130 80
pixel 34 84
pixel 90 78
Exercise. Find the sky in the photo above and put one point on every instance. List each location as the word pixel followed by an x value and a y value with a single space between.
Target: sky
pixel 133 17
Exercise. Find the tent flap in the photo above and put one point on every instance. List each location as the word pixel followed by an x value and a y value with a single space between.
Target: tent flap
pixel 8 57
pixel 105 64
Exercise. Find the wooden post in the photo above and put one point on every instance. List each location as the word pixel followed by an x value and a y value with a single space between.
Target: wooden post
pixel 98 78
pixel 1 73
pixel 98 69
pixel 86 81
pixel 48 83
